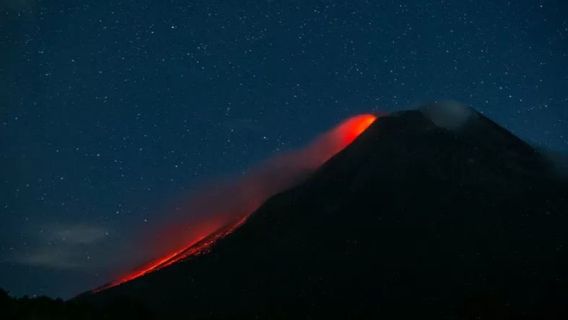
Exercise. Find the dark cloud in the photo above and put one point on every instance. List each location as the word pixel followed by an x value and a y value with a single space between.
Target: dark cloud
pixel 63 247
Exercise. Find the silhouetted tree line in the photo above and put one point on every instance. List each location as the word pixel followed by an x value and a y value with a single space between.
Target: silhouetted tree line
pixel 40 308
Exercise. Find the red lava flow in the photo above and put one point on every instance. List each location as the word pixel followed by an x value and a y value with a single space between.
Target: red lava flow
pixel 271 177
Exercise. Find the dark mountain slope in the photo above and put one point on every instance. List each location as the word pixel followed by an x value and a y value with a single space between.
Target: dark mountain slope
pixel 425 215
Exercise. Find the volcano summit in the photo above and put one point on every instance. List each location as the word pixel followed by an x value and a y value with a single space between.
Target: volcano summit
pixel 435 213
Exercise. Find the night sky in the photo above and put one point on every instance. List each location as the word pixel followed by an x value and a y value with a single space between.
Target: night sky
pixel 110 113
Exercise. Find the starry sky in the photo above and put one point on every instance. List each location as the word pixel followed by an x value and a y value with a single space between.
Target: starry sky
pixel 110 111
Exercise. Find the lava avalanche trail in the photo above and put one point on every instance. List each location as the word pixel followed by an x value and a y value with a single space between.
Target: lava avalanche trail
pixel 223 208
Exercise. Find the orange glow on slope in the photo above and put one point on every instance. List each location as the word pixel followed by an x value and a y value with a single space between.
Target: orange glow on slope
pixel 246 195
pixel 199 246
pixel 355 126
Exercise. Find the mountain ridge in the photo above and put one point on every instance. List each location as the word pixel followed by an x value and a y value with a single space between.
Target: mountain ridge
pixel 394 224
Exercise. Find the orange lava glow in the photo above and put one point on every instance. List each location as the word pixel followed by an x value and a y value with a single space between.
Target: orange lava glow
pixel 253 190
pixel 199 246
pixel 354 126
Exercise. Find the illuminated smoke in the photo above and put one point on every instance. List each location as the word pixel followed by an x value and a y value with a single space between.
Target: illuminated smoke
pixel 221 208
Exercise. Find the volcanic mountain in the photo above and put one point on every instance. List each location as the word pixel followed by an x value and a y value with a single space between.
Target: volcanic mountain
pixel 435 213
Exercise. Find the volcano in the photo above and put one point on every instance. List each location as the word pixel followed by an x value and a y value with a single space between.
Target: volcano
pixel 435 213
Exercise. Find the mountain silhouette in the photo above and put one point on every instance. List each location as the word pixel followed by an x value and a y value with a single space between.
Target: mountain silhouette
pixel 434 213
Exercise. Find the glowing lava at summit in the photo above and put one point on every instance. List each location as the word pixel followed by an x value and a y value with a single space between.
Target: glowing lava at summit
pixel 353 127
pixel 219 210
